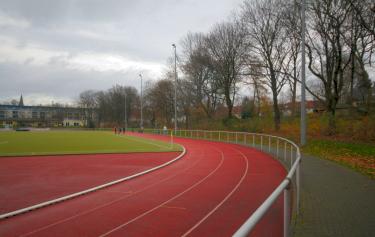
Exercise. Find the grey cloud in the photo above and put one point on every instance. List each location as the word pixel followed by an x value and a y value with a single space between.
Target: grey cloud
pixel 139 30
pixel 57 81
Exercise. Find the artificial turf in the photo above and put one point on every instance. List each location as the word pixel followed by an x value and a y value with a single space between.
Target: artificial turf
pixel 76 142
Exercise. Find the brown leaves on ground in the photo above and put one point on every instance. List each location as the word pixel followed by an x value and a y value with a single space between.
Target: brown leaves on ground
pixel 363 164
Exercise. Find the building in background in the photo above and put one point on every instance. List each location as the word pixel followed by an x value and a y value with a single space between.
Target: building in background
pixel 12 116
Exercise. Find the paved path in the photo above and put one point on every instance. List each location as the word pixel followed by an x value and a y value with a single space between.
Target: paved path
pixel 336 201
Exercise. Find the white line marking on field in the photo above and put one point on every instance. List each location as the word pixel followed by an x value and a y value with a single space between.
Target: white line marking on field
pixel 4 142
pixel 146 142
pixel 169 200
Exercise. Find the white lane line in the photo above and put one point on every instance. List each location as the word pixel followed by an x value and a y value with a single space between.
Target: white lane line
pixel 64 198
pixel 139 139
pixel 169 200
pixel 173 207
pixel 225 199
pixel 112 202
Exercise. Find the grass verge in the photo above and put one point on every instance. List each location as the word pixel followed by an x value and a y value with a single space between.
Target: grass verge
pixel 76 142
pixel 357 156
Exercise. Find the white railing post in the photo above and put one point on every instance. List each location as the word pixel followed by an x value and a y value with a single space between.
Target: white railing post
pixel 286 211
pixel 291 155
pixel 219 136
pixel 277 148
pixel 236 137
pixel 284 151
pixel 253 140
pixel 269 144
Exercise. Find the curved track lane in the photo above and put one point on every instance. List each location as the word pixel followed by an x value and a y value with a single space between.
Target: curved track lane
pixel 209 192
pixel 30 180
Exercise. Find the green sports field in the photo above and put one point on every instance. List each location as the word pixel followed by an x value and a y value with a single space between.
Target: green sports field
pixel 76 142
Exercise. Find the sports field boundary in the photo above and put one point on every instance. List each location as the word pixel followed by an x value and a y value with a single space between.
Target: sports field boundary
pixel 85 153
pixel 87 191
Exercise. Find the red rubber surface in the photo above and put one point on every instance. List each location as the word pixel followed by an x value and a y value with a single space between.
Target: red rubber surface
pixel 26 181
pixel 209 192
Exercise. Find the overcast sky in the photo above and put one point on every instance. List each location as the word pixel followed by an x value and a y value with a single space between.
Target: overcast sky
pixel 51 50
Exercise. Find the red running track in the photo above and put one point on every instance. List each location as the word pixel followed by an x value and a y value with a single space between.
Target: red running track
pixel 26 181
pixel 209 192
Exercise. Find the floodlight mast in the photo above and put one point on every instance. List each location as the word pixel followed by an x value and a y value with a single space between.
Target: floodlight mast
pixel 126 116
pixel 141 124
pixel 175 87
pixel 303 76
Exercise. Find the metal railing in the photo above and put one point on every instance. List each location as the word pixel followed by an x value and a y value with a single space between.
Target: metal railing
pixel 283 149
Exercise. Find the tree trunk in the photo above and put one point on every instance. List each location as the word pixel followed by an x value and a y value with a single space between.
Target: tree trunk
pixel 332 123
pixel 331 108
pixel 276 111
pixel 230 107
pixel 228 101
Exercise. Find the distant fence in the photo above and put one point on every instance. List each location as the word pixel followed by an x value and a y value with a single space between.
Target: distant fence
pixel 283 149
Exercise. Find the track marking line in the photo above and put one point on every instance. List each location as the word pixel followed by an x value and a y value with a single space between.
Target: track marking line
pixel 123 192
pixel 244 157
pixel 140 139
pixel 96 188
pixel 169 200
pixel 173 207
pixel 114 201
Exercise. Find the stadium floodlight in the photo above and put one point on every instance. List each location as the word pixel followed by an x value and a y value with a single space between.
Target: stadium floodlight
pixel 175 87
pixel 141 124
pixel 303 76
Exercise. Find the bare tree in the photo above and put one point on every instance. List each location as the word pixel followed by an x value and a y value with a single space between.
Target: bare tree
pixel 87 100
pixel 227 47
pixel 185 100
pixel 292 67
pixel 200 73
pixel 110 104
pixel 361 44
pixel 254 77
pixel 160 97
pixel 364 11
pixel 266 35
pixel 326 51
pixel 132 102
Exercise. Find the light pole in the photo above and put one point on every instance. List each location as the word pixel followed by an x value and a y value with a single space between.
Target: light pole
pixel 175 87
pixel 303 79
pixel 140 75
pixel 126 117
